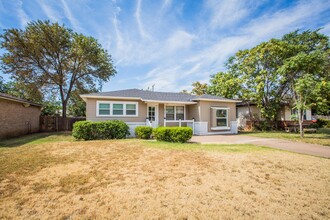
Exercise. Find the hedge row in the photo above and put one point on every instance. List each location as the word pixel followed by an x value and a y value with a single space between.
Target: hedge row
pixel 169 134
pixel 143 132
pixel 173 134
pixel 87 130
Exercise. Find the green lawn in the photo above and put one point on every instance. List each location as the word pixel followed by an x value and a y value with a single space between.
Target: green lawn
pixel 38 138
pixel 321 137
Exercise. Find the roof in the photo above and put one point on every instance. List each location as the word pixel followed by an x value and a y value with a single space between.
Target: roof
pixel 16 99
pixel 146 95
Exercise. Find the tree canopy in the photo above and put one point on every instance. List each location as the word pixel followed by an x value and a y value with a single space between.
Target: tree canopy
pixel 293 69
pixel 50 59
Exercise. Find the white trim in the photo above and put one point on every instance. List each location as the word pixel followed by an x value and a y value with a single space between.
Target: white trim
pixel 111 109
pixel 135 123
pixel 221 127
pixel 214 100
pixel 156 113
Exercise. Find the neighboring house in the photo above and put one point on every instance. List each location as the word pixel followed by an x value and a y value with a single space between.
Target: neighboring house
pixel 285 115
pixel 18 116
pixel 206 114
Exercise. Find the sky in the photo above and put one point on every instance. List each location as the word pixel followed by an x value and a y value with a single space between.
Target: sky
pixel 170 43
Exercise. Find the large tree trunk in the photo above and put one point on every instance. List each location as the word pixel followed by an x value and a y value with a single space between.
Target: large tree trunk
pixel 64 105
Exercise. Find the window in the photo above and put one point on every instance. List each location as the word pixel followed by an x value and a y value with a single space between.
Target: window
pixel 109 108
pixel 130 109
pixel 179 113
pixel 152 113
pixel 221 117
pixel 169 112
pixel 294 114
pixel 104 109
pixel 174 112
pixel 118 109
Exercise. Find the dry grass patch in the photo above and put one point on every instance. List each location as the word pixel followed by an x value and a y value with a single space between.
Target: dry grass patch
pixel 131 179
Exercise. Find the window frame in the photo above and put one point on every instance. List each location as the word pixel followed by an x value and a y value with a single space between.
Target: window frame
pixel 175 119
pixel 111 108
pixel 227 117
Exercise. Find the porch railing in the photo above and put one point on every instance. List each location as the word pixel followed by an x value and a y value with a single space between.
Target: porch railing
pixel 180 123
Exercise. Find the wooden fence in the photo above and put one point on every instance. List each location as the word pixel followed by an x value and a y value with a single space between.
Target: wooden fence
pixel 57 123
pixel 280 124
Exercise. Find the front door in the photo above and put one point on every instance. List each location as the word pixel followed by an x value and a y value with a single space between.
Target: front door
pixel 153 115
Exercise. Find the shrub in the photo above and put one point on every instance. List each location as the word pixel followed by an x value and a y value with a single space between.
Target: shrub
pixel 173 134
pixel 323 123
pixel 143 132
pixel 88 130
pixel 263 126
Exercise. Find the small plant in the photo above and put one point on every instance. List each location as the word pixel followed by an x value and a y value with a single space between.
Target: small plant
pixel 173 134
pixel 87 130
pixel 143 132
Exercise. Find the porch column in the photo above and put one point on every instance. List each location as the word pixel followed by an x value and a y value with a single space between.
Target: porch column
pixel 164 122
pixel 193 125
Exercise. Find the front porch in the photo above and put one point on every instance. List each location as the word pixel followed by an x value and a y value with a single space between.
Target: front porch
pixel 189 114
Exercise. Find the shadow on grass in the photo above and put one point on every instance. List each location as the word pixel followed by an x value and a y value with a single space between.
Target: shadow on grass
pixel 36 138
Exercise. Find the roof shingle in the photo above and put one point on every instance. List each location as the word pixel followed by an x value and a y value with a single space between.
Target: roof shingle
pixel 156 96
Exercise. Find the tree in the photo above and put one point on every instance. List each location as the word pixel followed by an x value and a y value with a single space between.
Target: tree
pixel 226 84
pixel 54 58
pixel 253 76
pixel 308 71
pixel 199 88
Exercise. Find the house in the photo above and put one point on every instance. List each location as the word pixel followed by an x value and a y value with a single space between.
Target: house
pixel 206 114
pixel 18 116
pixel 285 116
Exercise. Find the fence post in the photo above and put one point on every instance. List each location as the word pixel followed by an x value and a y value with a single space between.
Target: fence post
pixel 180 122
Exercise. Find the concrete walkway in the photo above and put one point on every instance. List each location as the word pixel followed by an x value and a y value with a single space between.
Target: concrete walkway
pixel 298 147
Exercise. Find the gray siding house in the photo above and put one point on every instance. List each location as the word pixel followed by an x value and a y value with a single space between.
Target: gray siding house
pixel 206 114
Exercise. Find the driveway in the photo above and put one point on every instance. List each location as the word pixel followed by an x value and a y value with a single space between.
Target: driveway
pixel 298 147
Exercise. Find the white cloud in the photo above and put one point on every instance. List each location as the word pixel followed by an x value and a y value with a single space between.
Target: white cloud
pixel 227 12
pixel 143 33
pixel 50 13
pixel 23 17
pixel 212 58
pixel 179 40
pixel 74 22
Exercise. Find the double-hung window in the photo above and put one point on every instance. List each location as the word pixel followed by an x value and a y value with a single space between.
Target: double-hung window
pixel 130 109
pixel 222 117
pixel 110 108
pixel 118 109
pixel 179 112
pixel 104 109
pixel 174 112
pixel 169 112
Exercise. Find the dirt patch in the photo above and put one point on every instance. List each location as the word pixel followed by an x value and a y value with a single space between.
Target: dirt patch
pixel 125 180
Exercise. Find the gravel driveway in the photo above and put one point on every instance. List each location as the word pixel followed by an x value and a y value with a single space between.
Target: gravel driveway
pixel 294 146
